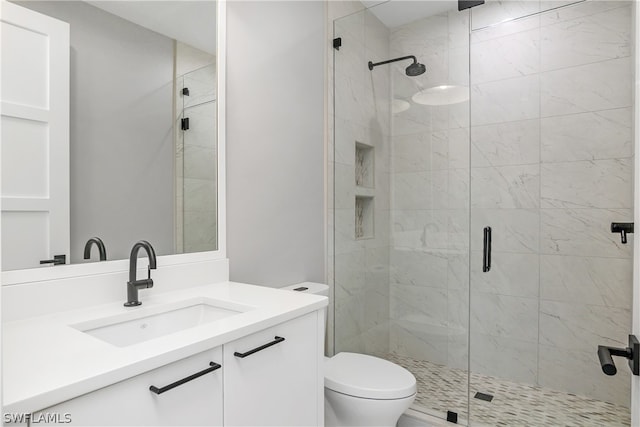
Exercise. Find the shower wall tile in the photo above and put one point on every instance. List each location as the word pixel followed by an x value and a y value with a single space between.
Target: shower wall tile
pixel 412 190
pixel 201 84
pixel 419 341
pixel 199 195
pixel 412 153
pixel 482 32
pixel 345 181
pixel 344 234
pixel 197 238
pixel 579 372
pixel 199 162
pixel 346 135
pixel 415 120
pixel 515 55
pixel 587 136
pixel 350 25
pixel 458 140
pixel 350 274
pixel 583 327
pixel 513 230
pixel 517 360
pixel 511 274
pixel 349 315
pixel 376 341
pixel 506 187
pixel 458 68
pixel 587 280
pixel 587 184
pixel 418 305
pixel 376 35
pixel 458 275
pixel 351 63
pixel 504 144
pixel 504 316
pixel 458 115
pixel 420 229
pixel 458 189
pixel 495 12
pixel 419 267
pixel 505 101
pixel 587 39
pixel 583 232
pixel 579 9
pixel 459 230
pixel 592 87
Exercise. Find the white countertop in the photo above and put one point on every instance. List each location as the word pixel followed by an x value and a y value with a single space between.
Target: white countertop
pixel 46 361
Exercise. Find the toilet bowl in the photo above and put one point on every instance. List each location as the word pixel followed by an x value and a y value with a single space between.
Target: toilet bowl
pixel 362 390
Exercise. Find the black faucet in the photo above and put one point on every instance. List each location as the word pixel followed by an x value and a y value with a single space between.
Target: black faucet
pixel 133 285
pixel 98 242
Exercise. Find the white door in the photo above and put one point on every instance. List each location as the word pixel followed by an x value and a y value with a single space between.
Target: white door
pixel 35 137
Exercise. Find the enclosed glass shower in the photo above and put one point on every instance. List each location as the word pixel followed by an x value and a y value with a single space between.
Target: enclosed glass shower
pixel 472 204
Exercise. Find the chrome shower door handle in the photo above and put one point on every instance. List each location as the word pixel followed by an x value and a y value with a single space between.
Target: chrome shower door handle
pixel 486 250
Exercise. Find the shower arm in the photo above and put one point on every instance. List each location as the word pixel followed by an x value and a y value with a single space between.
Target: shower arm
pixel 371 64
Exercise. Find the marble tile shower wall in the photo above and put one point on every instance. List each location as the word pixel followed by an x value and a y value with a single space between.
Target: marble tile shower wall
pixel 362 115
pixel 429 278
pixel 551 156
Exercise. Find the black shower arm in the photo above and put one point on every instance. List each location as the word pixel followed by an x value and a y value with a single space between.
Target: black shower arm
pixel 371 64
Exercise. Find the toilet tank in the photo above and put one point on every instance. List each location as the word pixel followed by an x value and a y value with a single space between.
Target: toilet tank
pixel 309 287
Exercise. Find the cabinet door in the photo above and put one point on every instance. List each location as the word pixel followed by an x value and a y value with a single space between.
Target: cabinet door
pixel 277 385
pixel 132 403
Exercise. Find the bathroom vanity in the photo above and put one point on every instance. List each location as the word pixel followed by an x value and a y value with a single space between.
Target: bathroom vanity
pixel 219 354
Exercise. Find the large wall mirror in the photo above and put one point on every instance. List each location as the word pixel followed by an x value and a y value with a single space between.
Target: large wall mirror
pixel 143 149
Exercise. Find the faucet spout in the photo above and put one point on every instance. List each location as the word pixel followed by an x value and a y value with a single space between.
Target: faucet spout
pixel 101 249
pixel 133 284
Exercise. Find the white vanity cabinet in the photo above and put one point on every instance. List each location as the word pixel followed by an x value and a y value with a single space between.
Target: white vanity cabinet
pixel 273 377
pixel 196 402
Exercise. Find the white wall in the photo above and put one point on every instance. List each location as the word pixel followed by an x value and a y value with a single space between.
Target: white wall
pixel 275 156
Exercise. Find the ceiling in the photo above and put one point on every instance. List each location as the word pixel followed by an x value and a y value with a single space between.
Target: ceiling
pixel 191 22
pixel 394 13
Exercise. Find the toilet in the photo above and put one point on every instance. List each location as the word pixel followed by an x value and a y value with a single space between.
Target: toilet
pixel 362 390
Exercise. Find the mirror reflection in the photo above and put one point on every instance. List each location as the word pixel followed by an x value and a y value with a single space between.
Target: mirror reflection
pixel 142 148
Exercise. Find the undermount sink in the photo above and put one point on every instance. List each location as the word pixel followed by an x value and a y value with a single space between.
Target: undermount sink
pixel 136 327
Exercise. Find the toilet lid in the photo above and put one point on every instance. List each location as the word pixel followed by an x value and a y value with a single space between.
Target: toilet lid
pixel 368 377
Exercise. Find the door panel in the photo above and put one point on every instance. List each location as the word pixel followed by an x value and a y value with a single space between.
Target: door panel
pixel 551 168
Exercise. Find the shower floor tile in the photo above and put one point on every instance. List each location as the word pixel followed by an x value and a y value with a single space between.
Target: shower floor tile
pixel 442 389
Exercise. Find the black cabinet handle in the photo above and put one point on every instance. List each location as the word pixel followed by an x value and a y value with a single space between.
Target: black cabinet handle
pixel 213 367
pixel 275 341
pixel 486 251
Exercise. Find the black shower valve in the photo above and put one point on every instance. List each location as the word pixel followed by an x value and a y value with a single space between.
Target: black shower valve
pixel 623 228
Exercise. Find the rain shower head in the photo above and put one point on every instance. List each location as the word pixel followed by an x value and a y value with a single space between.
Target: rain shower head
pixel 412 70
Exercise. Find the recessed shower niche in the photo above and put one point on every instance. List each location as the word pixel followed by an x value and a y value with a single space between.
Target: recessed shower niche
pixel 364 173
pixel 364 167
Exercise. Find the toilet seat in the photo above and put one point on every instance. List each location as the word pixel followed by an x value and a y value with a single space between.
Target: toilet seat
pixel 368 377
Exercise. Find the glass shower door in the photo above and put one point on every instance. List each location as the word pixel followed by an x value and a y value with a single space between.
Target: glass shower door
pixel 196 207
pixel 401 198
pixel 551 169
